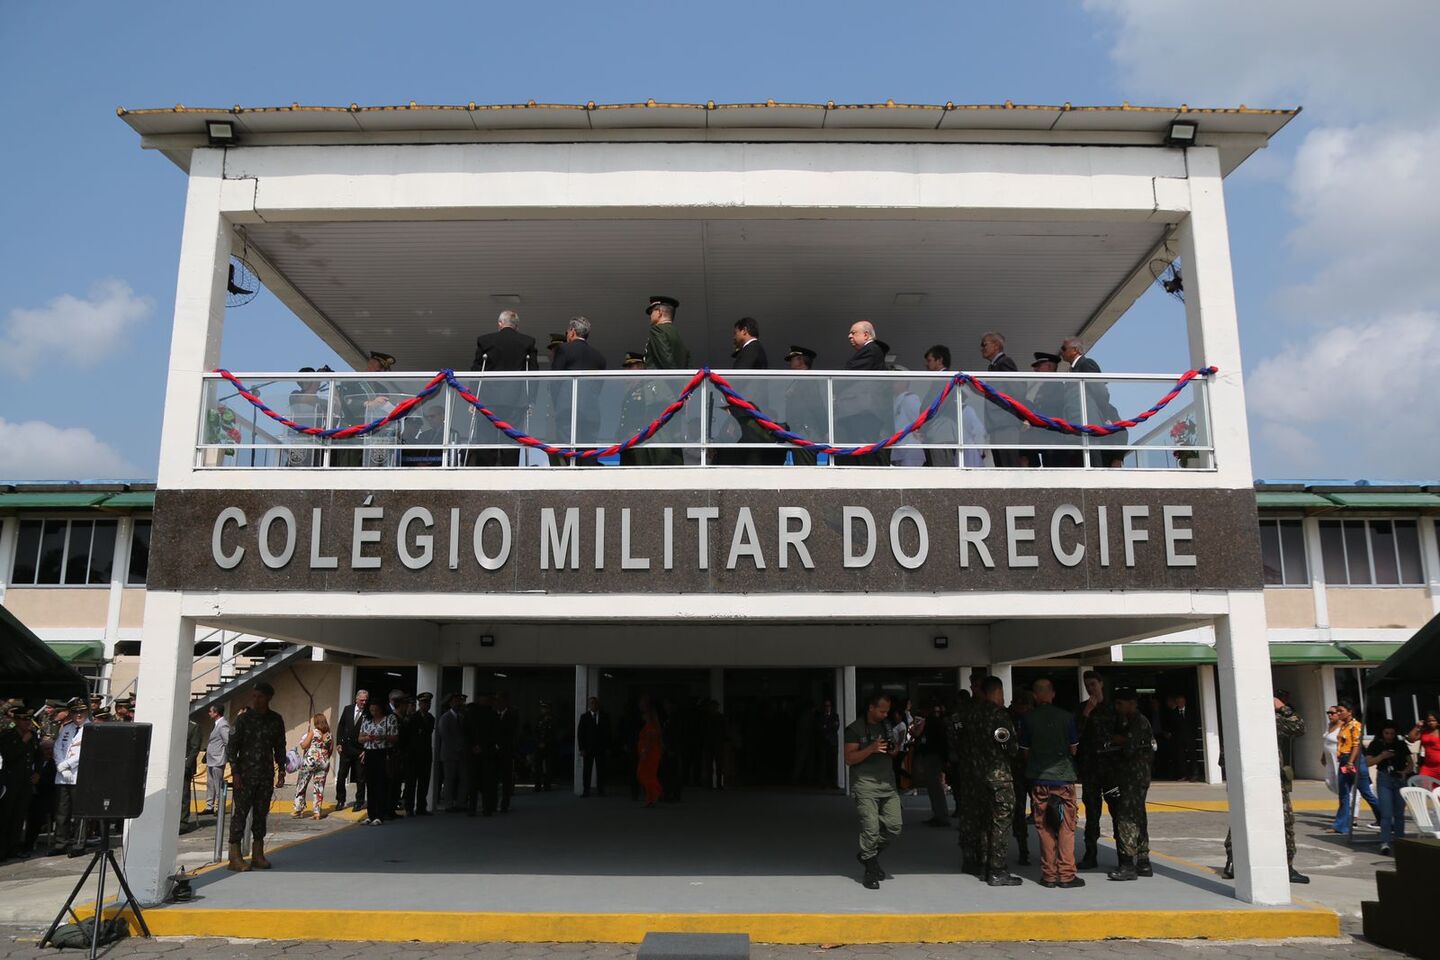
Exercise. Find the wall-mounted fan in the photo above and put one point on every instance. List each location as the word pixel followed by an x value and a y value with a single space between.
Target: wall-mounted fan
pixel 242 285
pixel 1167 274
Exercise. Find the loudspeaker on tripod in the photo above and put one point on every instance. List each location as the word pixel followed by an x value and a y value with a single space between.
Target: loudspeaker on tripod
pixel 110 780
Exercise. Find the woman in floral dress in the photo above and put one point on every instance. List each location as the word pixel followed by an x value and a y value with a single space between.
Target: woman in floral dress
pixel 315 751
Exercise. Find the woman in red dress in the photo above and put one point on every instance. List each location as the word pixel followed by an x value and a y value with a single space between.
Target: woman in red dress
pixel 649 750
pixel 1427 732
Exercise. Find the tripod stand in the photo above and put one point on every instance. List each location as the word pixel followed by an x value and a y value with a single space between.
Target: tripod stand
pixel 106 859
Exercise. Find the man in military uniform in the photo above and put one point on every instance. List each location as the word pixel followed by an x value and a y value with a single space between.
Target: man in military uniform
pixel 1288 726
pixel 1094 719
pixel 422 753
pixel 635 412
pixel 664 350
pixel 872 784
pixel 482 733
pixel 256 754
pixel 69 830
pixel 995 744
pixel 969 791
pixel 544 748
pixel 1021 706
pixel 805 405
pixel 19 757
pixel 1125 762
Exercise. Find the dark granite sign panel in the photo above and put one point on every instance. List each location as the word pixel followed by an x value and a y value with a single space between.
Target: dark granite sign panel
pixel 728 541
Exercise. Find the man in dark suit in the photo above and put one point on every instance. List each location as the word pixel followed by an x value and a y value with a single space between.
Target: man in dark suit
pixel 577 354
pixel 482 733
pixel 504 350
pixel 1051 399
pixel 1000 424
pixel 858 402
pixel 507 742
pixel 592 736
pixel 347 738
pixel 1098 408
pixel 750 355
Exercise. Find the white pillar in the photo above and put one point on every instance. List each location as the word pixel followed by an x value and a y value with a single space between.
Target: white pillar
pixel 964 677
pixel 1429 553
pixel 582 700
pixel 230 642
pixel 1003 671
pixel 347 685
pixel 1329 690
pixel 199 315
pixel 839 705
pixel 1080 679
pixel 1210 317
pixel 1252 767
pixel 1209 721
pixel 849 710
pixel 467 683
pixel 163 702
pixel 1316 562
pixel 9 530
pixel 717 686
pixel 119 573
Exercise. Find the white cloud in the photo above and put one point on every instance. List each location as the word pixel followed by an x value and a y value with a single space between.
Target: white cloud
pixel 1355 401
pixel 1356 59
pixel 70 330
pixel 35 450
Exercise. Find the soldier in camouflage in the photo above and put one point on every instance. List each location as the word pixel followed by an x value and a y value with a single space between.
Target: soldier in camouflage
pixel 256 754
pixel 1288 726
pixel 1095 717
pixel 967 787
pixel 1125 761
pixel 995 745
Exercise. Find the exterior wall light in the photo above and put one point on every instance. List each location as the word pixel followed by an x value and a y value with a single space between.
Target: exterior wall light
pixel 942 643
pixel 220 132
pixel 487 640
pixel 1181 134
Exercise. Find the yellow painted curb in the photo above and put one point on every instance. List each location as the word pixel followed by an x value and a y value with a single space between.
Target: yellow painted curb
pixel 1221 806
pixel 797 928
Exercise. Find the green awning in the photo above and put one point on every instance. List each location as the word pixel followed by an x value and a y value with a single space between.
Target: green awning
pixel 132 500
pixel 1307 653
pixel 77 651
pixel 1372 651
pixel 1290 500
pixel 1190 653
pixel 50 501
pixel 1376 501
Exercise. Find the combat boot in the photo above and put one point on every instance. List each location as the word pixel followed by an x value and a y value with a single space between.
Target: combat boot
pixel 1228 871
pixel 1090 861
pixel 871 880
pixel 1143 868
pixel 1002 878
pixel 1126 870
pixel 1297 877
pixel 257 856
pixel 237 862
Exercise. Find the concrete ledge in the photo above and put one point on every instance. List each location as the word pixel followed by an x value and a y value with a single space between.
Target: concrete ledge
pixel 795 928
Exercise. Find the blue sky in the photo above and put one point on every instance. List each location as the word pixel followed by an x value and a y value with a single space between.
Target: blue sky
pixel 1338 297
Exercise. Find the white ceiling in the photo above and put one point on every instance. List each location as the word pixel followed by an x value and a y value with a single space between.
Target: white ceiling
pixel 423 290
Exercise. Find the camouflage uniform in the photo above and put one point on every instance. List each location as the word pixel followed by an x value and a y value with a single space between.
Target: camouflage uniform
pixel 995 746
pixel 1093 732
pixel 962 754
pixel 256 750
pixel 1125 770
pixel 1288 726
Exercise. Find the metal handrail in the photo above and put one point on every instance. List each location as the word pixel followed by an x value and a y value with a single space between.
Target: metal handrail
pixel 237 654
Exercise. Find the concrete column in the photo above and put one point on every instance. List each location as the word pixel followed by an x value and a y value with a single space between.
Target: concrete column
pixel 717 686
pixel 849 710
pixel 347 685
pixel 1329 690
pixel 1210 721
pixel 1080 679
pixel 1210 315
pixel 964 677
pixel 163 702
pixel 839 703
pixel 1429 554
pixel 1316 563
pixel 230 642
pixel 1251 765
pixel 467 683
pixel 1003 671
pixel 119 573
pixel 9 530
pixel 582 698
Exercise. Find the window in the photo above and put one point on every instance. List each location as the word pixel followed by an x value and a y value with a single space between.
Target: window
pixel 139 553
pixel 69 552
pixel 1282 549
pixel 1365 552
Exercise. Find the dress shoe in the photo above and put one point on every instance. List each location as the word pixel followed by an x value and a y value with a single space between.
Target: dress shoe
pixel 1049 884
pixel 1002 878
pixel 1126 871
pixel 1143 869
pixel 1071 884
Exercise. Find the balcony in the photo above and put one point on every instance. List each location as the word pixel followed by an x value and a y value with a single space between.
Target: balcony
pixel 598 413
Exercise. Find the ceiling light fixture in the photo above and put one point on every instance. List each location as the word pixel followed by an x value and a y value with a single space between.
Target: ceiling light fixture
pixel 1181 134
pixel 220 132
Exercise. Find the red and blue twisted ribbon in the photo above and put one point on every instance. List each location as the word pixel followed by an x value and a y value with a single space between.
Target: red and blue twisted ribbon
pixel 1006 402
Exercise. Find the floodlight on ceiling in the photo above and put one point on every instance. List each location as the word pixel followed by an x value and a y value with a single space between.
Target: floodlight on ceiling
pixel 220 132
pixel 1181 134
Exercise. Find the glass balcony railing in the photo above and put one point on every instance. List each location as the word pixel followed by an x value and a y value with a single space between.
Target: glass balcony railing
pixel 601 411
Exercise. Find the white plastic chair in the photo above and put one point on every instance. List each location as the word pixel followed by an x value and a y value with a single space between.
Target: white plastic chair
pixel 1424 783
pixel 1424 807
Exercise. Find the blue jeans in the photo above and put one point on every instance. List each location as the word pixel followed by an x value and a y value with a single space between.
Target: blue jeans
pixel 1392 807
pixel 1345 785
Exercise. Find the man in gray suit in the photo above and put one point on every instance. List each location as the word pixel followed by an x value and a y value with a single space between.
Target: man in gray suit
pixel 215 756
pixel 1098 408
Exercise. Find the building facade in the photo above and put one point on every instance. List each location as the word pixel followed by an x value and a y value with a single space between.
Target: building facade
pixel 704 551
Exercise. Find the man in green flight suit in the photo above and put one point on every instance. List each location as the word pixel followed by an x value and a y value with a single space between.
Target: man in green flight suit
pixel 996 745
pixel 969 790
pixel 664 350
pixel 872 784
pixel 1095 716
pixel 256 754
pixel 1288 726
pixel 1125 760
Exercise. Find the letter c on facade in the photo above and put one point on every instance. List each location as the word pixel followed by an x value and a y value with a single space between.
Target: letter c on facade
pixel 223 560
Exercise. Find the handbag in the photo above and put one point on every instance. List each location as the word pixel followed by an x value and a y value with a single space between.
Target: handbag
pixel 292 760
